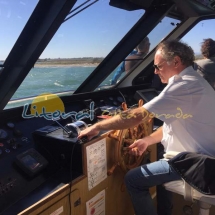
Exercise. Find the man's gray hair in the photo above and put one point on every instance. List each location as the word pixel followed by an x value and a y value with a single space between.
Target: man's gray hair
pixel 171 48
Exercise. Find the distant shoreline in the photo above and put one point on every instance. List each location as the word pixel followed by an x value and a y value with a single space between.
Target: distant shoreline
pixel 70 62
pixel 48 65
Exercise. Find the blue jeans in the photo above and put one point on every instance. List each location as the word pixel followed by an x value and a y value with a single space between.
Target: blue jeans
pixel 164 197
pixel 139 180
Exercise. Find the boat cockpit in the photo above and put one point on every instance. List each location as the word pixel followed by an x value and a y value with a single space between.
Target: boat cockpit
pixel 58 60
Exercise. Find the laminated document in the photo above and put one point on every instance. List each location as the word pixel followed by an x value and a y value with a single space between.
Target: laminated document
pixel 96 163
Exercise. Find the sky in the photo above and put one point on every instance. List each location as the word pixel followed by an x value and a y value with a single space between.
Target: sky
pixel 91 33
pixel 204 29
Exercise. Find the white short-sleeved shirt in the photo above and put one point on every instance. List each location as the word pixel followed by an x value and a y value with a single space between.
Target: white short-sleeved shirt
pixel 187 108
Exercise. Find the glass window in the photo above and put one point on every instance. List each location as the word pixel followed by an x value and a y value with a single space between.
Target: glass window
pixel 156 35
pixel 13 17
pixel 198 33
pixel 79 45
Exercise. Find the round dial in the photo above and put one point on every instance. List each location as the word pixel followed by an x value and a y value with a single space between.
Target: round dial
pixel 10 125
pixel 3 134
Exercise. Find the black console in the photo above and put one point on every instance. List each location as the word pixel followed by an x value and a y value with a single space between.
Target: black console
pixel 147 95
pixel 66 151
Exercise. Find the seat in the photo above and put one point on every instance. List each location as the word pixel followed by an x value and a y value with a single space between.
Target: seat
pixel 190 194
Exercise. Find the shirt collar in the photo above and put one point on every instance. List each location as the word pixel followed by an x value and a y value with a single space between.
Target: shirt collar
pixel 182 73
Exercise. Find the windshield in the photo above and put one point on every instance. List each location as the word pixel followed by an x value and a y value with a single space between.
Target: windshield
pixel 13 17
pixel 79 45
pixel 156 35
pixel 91 30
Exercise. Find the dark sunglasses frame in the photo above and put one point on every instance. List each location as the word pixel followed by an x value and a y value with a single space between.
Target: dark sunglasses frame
pixel 156 66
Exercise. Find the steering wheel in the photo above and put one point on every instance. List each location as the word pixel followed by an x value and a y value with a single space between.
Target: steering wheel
pixel 125 138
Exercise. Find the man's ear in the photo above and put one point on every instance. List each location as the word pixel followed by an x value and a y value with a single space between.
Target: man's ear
pixel 177 61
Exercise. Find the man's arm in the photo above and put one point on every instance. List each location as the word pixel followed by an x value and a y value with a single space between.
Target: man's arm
pixel 126 119
pixel 130 63
pixel 156 136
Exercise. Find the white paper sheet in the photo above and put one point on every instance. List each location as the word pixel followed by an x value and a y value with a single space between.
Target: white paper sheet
pixel 96 205
pixel 96 163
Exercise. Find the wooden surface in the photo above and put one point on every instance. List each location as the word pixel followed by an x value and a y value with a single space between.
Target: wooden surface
pixel 72 199
pixel 59 196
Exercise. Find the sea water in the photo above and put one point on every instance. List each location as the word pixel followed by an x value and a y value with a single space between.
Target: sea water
pixel 53 80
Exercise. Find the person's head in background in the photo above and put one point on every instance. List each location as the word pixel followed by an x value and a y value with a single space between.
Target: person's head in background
pixel 142 50
pixel 208 48
pixel 143 46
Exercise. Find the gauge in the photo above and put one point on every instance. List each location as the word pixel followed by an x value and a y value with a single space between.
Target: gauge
pixel 10 125
pixel 3 134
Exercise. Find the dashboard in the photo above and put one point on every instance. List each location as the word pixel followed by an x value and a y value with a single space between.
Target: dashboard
pixel 34 152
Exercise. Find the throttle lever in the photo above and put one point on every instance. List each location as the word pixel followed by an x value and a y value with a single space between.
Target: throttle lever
pixel 140 103
pixel 124 106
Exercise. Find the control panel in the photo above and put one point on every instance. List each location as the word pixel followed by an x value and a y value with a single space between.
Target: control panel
pixel 7 184
pixel 33 150
pixel 11 140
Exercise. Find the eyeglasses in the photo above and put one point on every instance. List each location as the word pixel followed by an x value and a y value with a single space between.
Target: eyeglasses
pixel 156 66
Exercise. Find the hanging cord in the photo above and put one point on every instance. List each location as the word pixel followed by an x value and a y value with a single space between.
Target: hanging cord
pixel 70 185
pixel 122 96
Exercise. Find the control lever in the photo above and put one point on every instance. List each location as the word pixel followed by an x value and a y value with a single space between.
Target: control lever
pixel 124 106
pixel 140 103
pixel 70 133
pixel 72 129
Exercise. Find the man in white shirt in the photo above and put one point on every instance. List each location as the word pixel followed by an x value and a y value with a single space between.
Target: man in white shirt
pixel 186 106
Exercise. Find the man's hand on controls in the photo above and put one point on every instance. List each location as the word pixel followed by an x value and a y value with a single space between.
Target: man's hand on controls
pixel 89 132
